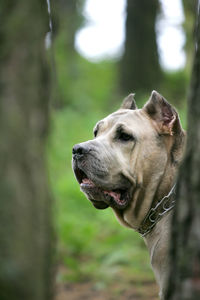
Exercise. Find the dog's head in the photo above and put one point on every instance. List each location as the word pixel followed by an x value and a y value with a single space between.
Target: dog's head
pixel 130 147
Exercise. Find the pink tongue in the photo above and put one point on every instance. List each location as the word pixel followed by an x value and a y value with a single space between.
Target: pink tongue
pixel 115 195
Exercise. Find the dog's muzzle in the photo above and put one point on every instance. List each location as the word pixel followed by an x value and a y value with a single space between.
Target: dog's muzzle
pixel 94 179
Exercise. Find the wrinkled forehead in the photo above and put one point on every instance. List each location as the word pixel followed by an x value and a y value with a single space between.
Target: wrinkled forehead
pixel 135 120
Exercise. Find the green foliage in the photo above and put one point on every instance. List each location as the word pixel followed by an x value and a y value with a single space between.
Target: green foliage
pixel 83 85
pixel 91 243
pixel 174 87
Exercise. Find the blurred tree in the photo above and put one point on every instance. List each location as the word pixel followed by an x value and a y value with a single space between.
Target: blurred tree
pixel 25 208
pixel 139 68
pixel 190 11
pixel 184 279
pixel 66 19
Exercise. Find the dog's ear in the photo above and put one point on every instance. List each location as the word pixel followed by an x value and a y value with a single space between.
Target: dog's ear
pixel 163 114
pixel 129 102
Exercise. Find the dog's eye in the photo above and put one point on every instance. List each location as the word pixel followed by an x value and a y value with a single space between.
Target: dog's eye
pixel 125 137
pixel 95 132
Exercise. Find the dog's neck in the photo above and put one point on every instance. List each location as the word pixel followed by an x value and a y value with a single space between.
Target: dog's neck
pixel 144 199
pixel 157 242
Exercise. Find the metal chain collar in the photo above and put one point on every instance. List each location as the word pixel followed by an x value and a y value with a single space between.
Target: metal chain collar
pixel 155 213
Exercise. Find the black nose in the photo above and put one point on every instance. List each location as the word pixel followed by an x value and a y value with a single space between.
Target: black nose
pixel 79 150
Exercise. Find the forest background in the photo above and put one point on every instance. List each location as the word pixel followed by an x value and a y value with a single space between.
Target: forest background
pixel 91 245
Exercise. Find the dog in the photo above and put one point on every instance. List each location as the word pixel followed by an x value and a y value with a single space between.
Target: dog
pixel 131 166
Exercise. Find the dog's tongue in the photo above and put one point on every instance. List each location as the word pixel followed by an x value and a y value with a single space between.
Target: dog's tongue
pixel 115 195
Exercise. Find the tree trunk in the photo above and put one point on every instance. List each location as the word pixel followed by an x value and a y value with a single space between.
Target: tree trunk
pixel 25 208
pixel 188 26
pixel 66 21
pixel 140 69
pixel 65 17
pixel 184 279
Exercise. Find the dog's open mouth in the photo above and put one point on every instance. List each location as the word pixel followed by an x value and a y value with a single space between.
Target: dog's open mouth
pixel 100 196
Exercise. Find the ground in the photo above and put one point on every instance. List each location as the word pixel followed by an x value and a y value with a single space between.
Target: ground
pixel 89 291
pixel 120 290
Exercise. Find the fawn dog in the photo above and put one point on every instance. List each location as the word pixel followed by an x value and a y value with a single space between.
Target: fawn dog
pixel 131 166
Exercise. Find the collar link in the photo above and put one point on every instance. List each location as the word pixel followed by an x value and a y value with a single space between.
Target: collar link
pixel 166 204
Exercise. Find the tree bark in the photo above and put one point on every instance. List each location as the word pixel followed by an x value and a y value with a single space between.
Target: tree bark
pixel 140 69
pixel 25 207
pixel 184 279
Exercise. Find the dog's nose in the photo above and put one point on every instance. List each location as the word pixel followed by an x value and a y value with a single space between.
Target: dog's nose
pixel 79 150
